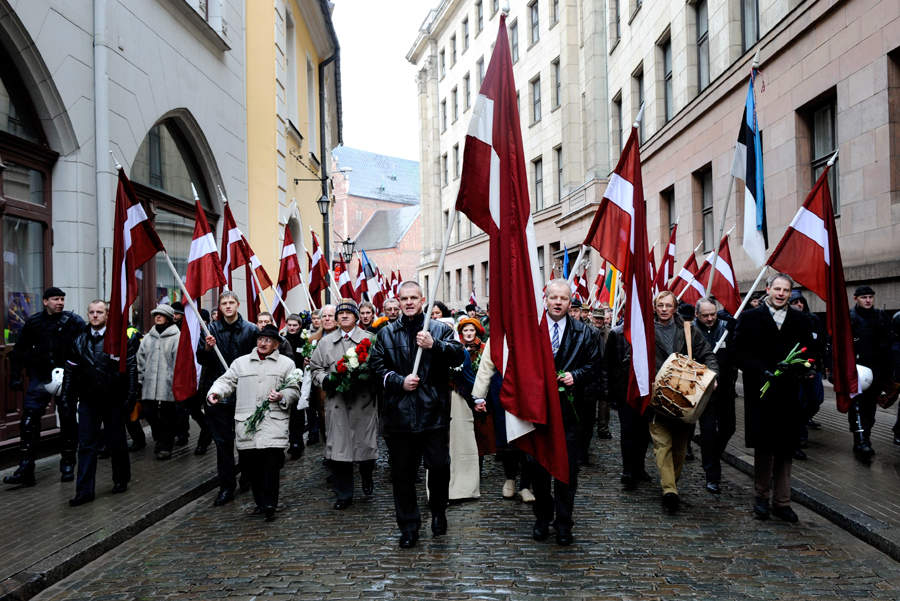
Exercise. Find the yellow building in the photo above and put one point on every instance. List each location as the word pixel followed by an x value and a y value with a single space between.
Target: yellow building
pixel 293 123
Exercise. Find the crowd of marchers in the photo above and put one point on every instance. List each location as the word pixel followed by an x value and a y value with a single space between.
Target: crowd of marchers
pixel 343 375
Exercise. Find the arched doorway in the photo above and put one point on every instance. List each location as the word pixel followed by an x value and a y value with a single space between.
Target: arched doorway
pixel 163 172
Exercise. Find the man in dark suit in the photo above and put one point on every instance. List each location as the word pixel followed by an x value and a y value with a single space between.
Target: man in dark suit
pixel 577 355
pixel 763 338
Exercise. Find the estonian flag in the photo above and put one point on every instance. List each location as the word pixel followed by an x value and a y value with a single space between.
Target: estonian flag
pixel 748 166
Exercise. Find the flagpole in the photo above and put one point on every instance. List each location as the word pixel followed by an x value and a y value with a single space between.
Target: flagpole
pixel 743 304
pixel 694 276
pixel 193 305
pixel 581 253
pixel 434 284
pixel 712 272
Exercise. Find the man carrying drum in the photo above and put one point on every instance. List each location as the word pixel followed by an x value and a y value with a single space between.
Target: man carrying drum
pixel 671 436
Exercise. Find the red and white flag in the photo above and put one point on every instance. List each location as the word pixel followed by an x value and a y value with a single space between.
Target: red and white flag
pixel 233 253
pixel 493 193
pixel 345 283
pixel 315 282
pixel 667 264
pixel 473 300
pixel 394 285
pixel 687 276
pixel 581 288
pixel 809 252
pixel 361 285
pixel 134 243
pixel 289 276
pixel 619 234
pixel 204 272
pixel 725 286
pixel 318 270
pixel 253 293
pixel 653 289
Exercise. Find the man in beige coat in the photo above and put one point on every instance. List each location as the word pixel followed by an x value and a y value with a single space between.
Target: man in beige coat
pixel 263 376
pixel 351 420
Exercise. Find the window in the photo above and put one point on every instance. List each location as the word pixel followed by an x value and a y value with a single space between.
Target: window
pixel 541 262
pixel 479 17
pixel 702 45
pixel 824 143
pixel 637 94
pixel 456 161
pixel 538 167
pixel 667 215
pixel 535 20
pixel 443 62
pixel 311 103
pixel 290 67
pixel 703 204
pixel 445 179
pixel 536 99
pixel 557 84
pixel 485 279
pixel 554 12
pixel 443 115
pixel 514 41
pixel 454 102
pixel 518 104
pixel 446 285
pixel 617 17
pixel 465 34
pixel 467 88
pixel 558 159
pixel 668 98
pixel 459 238
pixel 452 49
pixel 495 6
pixel 617 123
pixel 458 284
pixel 471 270
pixel 479 69
pixel 749 23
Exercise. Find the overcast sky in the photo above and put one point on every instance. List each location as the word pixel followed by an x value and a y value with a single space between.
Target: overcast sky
pixel 378 87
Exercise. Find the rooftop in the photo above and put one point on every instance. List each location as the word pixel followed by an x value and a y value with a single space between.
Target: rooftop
pixel 379 176
pixel 386 228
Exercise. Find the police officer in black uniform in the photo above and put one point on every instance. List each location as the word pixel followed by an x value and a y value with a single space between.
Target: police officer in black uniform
pixel 42 346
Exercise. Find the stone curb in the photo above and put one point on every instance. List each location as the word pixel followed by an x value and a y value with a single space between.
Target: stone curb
pixel 880 535
pixel 53 568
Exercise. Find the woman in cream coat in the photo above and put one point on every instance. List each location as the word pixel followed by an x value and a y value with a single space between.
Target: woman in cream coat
pixel 263 376
pixel 156 365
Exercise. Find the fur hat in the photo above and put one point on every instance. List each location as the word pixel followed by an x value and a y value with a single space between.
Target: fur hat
pixel 470 321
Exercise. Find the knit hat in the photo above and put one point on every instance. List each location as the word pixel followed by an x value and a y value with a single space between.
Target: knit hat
pixel 347 304
pixel 165 311
pixel 470 321
pixel 53 291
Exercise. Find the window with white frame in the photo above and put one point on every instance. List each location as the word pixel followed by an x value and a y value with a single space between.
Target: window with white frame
pixel 536 99
pixel 442 60
pixel 445 175
pixel 311 103
pixel 637 94
pixel 617 123
pixel 535 21
pixel 465 34
pixel 467 89
pixel 668 93
pixel 823 137
pixel 749 23
pixel 557 84
pixel 454 103
pixel 702 45
pixel 452 49
pixel 558 159
pixel 554 12
pixel 479 69
pixel 537 166
pixel 514 41
pixel 443 115
pixel 456 160
pixel 479 17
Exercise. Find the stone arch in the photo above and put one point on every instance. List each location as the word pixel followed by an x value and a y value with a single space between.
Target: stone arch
pixel 38 81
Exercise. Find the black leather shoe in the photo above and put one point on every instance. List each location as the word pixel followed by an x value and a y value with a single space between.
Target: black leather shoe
pixel 761 508
pixel 408 540
pixel 863 452
pixel 785 513
pixel 368 486
pixel 269 511
pixel 564 538
pixel 671 502
pixel 296 451
pixel 343 503
pixel 713 488
pixel 119 487
pixel 439 525
pixel 66 473
pixel 226 495
pixel 20 477
pixel 80 499
pixel 201 449
pixel 540 531
pixel 628 483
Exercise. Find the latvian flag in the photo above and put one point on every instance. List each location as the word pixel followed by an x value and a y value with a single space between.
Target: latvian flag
pixel 289 276
pixel 204 272
pixel 688 277
pixel 233 253
pixel 134 243
pixel 809 252
pixel 360 285
pixel 748 166
pixel 619 234
pixel 667 264
pixel 345 283
pixel 725 286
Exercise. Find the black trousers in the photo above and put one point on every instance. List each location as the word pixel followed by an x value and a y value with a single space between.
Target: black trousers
pixel 587 417
pixel 35 404
pixel 717 425
pixel 865 405
pixel 101 423
pixel 407 451
pixel 263 467
pixel 516 462
pixel 343 476
pixel 296 426
pixel 220 419
pixel 163 418
pixel 634 435
pixel 556 508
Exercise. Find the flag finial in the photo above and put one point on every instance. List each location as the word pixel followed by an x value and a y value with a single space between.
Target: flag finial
pixel 194 190
pixel 755 63
pixel 115 160
pixel 640 116
pixel 833 158
pixel 221 193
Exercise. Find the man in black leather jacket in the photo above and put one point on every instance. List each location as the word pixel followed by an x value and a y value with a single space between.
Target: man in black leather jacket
pixel 416 409
pixel 234 338
pixel 92 382
pixel 41 347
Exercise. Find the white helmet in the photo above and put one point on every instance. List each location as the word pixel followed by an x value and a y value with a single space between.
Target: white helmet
pixel 55 383
pixel 865 377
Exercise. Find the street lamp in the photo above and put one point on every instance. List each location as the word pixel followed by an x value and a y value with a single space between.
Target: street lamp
pixel 348 247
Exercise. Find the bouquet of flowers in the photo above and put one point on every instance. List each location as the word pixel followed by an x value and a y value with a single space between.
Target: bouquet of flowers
pixel 568 393
pixel 791 362
pixel 292 379
pixel 351 370
pixel 309 346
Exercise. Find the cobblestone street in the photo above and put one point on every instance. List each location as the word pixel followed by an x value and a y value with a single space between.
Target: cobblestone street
pixel 625 548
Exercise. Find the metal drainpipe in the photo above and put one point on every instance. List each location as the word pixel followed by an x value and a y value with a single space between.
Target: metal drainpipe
pixel 101 144
pixel 323 165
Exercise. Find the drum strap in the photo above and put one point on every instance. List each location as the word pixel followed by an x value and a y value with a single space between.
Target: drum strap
pixel 687 340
